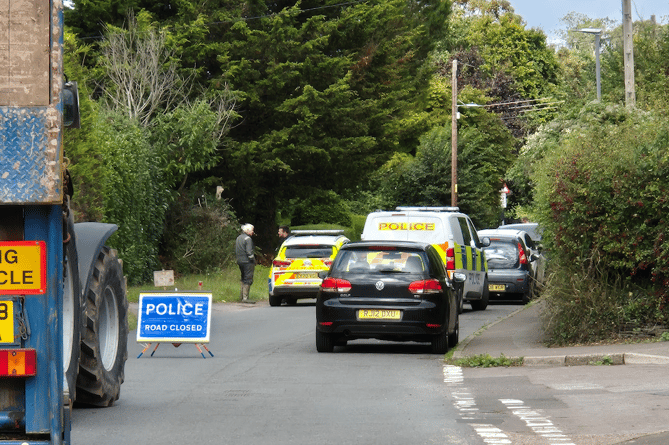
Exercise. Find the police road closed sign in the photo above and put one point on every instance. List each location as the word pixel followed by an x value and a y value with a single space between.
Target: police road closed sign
pixel 182 317
pixel 22 267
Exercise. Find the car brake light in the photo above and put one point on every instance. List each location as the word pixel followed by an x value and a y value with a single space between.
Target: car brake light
pixel 450 259
pixel 521 255
pixel 425 287
pixel 18 362
pixel 336 285
pixel 281 263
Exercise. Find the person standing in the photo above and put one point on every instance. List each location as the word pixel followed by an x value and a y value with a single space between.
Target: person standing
pixel 246 261
pixel 284 232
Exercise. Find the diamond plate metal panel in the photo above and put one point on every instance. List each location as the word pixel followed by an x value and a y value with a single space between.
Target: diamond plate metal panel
pixel 30 171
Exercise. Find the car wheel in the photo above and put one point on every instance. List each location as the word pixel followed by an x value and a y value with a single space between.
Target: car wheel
pixel 274 300
pixel 454 337
pixel 440 342
pixel 480 305
pixel 324 342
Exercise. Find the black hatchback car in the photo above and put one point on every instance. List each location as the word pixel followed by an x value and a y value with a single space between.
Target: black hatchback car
pixel 387 290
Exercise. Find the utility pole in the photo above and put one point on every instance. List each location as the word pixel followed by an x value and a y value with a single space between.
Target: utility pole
pixel 454 135
pixel 628 56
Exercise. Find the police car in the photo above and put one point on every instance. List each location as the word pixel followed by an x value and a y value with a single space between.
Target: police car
pixel 294 272
pixel 451 232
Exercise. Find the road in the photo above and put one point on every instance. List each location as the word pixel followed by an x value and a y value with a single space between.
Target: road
pixel 267 384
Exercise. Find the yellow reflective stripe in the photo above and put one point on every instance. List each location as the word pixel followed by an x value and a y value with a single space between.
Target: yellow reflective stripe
pixel 459 260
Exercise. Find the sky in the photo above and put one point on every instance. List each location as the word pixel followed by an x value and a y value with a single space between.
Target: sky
pixel 546 14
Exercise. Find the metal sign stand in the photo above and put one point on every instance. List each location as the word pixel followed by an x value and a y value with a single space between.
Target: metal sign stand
pixel 176 345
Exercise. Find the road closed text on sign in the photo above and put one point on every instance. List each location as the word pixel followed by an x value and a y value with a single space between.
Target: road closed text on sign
pixel 22 267
pixel 182 317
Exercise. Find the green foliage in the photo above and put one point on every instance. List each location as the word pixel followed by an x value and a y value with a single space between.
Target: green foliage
pixel 199 235
pixel 186 141
pixel 486 361
pixel 484 154
pixel 322 206
pixel 133 192
pixel 601 196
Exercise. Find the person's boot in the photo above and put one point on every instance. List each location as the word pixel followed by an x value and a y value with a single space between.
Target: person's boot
pixel 246 288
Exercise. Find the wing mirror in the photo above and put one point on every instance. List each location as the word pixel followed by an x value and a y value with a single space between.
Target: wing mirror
pixel 459 277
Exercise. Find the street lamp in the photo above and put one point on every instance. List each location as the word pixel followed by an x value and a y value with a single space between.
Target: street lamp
pixel 454 133
pixel 598 34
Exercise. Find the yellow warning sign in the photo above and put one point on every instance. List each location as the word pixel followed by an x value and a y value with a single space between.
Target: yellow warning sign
pixel 22 267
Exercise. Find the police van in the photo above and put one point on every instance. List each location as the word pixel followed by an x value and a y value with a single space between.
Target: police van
pixel 453 235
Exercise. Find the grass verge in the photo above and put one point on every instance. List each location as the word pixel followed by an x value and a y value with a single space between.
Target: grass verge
pixel 224 286
pixel 486 361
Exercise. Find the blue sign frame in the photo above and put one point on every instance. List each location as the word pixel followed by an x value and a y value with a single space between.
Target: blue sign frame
pixel 183 317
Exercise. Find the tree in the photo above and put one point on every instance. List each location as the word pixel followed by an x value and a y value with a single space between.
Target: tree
pixel 141 70
pixel 484 153
pixel 503 59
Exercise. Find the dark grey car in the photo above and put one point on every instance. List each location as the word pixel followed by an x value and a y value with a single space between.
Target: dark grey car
pixel 512 265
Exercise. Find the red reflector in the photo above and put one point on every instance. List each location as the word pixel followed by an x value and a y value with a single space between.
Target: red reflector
pixel 521 255
pixel 450 259
pixel 425 287
pixel 432 325
pixel 336 285
pixel 18 362
pixel 325 323
pixel 281 263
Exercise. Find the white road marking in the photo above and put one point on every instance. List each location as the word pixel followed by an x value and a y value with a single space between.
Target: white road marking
pixel 465 403
pixel 537 422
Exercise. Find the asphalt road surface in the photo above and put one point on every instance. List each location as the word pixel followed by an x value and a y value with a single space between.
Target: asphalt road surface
pixel 266 384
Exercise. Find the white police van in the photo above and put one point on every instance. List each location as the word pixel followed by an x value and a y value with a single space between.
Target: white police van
pixel 453 235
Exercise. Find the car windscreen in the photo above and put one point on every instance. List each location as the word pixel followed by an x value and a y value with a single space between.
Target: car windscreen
pixel 379 262
pixel 502 253
pixel 309 251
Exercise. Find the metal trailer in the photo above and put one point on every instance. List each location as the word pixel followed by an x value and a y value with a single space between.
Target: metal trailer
pixel 63 308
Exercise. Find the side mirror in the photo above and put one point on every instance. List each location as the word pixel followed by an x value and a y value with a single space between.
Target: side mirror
pixel 459 277
pixel 71 105
pixel 485 241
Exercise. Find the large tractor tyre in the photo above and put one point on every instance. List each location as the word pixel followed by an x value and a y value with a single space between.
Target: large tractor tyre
pixel 73 309
pixel 105 337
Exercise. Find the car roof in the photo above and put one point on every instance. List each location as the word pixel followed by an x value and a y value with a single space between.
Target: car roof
pixel 532 229
pixel 383 243
pixel 302 240
pixel 502 233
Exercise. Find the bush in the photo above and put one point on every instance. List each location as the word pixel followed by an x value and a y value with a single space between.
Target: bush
pixel 601 196
pixel 199 235
pixel 133 194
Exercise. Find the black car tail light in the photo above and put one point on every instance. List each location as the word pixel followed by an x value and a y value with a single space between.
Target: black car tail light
pixel 423 287
pixel 336 285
